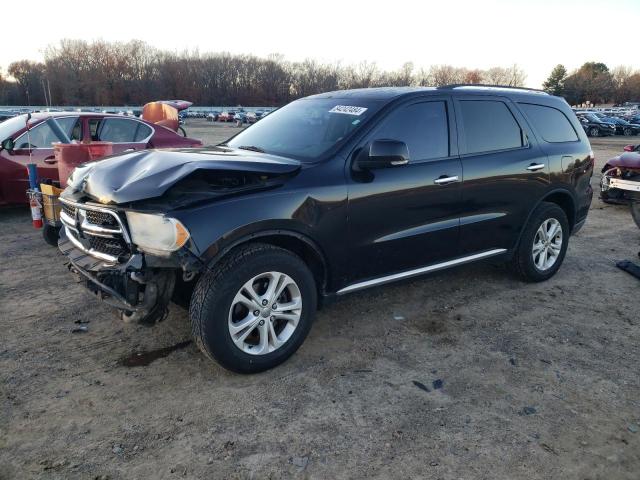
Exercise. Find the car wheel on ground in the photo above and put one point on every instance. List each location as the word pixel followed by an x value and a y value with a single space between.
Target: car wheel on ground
pixel 50 235
pixel 627 132
pixel 543 244
pixel 254 308
pixel 593 132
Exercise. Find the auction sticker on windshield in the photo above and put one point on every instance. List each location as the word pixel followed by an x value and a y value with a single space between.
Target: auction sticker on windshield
pixel 348 110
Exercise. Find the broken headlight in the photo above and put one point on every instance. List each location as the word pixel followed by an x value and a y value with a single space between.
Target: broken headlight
pixel 156 233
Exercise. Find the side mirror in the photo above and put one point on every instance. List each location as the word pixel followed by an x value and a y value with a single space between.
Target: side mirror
pixel 384 154
pixel 8 145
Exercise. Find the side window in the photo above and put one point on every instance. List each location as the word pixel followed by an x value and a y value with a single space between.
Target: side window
pixel 551 123
pixel 118 130
pixel 72 127
pixel 143 132
pixel 489 125
pixel 40 136
pixel 422 126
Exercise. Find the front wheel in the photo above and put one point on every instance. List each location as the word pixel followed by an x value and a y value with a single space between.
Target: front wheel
pixel 635 212
pixel 627 132
pixel 543 244
pixel 50 234
pixel 594 132
pixel 254 309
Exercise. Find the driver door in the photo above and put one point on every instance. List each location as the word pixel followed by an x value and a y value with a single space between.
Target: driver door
pixel 406 217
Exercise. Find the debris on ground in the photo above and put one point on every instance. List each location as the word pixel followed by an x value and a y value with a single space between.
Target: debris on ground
pixel 437 384
pixel 421 386
pixel 629 267
pixel 528 411
pixel 81 329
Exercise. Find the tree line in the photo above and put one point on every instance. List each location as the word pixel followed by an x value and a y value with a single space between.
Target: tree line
pixel 594 83
pixel 76 72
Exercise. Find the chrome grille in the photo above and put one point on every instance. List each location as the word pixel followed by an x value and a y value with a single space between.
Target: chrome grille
pixel 69 210
pixel 97 231
pixel 101 218
pixel 111 246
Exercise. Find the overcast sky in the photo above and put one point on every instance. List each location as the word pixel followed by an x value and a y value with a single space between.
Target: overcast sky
pixel 535 34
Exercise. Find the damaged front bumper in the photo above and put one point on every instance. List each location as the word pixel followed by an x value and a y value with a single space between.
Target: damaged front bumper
pixel 140 287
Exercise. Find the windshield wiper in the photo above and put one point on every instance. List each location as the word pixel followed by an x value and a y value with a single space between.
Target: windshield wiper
pixel 252 148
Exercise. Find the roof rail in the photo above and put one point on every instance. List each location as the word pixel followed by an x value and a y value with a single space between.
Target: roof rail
pixel 484 85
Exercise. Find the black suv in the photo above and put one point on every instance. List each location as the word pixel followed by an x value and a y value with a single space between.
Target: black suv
pixel 329 195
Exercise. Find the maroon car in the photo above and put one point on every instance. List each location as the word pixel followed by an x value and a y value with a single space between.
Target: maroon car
pixel 126 133
pixel 625 166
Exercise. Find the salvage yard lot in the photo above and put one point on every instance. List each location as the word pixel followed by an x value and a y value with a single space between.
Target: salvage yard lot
pixel 465 374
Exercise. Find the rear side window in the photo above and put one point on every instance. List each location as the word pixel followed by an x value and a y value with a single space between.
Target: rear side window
pixel 422 126
pixel 551 123
pixel 489 125
pixel 118 130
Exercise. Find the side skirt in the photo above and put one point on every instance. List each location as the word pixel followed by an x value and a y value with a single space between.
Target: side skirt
pixel 420 271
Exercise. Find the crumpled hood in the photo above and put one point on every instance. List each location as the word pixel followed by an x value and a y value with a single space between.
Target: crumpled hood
pixel 150 173
pixel 626 160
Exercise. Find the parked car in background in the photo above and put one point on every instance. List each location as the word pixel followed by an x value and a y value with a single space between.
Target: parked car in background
pixel 623 127
pixel 329 195
pixel 226 116
pixel 20 147
pixel 594 126
pixel 624 167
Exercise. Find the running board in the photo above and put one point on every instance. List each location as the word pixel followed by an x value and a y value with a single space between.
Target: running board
pixel 419 271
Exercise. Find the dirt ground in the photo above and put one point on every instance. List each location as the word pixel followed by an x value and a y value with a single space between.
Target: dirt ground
pixel 467 374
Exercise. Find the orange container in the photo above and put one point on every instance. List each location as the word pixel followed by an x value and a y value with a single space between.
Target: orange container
pixel 70 155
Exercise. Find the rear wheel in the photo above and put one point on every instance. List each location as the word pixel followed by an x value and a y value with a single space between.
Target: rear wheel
pixel 254 309
pixel 543 244
pixel 627 132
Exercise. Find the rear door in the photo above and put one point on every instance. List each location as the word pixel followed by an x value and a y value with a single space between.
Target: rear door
pixel 406 217
pixel 126 134
pixel 505 172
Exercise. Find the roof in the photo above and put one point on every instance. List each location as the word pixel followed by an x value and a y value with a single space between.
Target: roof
pixel 388 93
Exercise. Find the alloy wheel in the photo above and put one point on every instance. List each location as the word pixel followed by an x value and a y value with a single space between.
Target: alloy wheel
pixel 265 313
pixel 547 244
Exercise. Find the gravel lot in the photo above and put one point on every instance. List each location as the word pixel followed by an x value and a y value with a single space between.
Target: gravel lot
pixel 467 374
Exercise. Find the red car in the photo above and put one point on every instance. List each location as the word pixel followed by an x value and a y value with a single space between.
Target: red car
pixel 126 133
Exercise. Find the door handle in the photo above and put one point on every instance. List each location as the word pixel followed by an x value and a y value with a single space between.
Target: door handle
pixel 534 167
pixel 50 160
pixel 445 180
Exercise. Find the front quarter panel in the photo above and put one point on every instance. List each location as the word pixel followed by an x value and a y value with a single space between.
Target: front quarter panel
pixel 311 205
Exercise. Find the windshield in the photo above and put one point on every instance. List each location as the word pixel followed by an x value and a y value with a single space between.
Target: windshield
pixel 11 126
pixel 306 129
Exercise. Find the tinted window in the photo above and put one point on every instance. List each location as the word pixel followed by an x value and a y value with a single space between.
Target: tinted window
pixel 422 126
pixel 489 125
pixel 550 122
pixel 118 130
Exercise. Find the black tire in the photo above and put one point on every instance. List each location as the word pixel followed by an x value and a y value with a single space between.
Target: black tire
pixel 182 131
pixel 627 132
pixel 51 235
pixel 524 264
pixel 635 212
pixel 214 293
pixel 594 132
